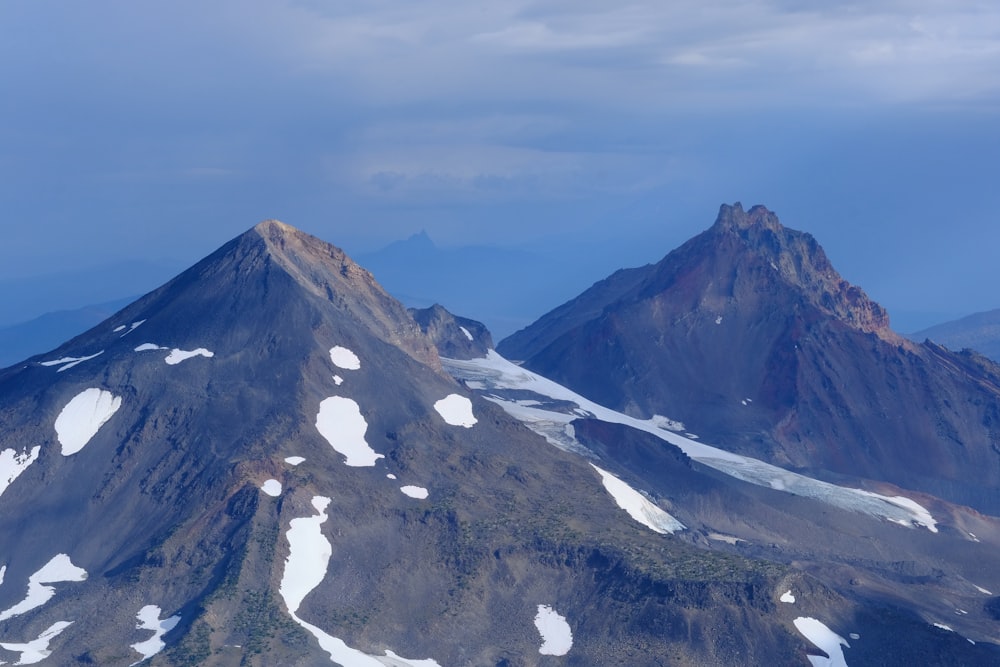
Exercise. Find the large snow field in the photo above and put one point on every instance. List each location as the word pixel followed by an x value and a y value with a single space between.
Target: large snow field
pixel 557 638
pixel 13 464
pixel 344 358
pixel 340 421
pixel 83 416
pixel 637 505
pixel 456 410
pixel 309 553
pixel 149 619
pixel 495 376
pixel 825 639
pixel 57 570
pixel 37 649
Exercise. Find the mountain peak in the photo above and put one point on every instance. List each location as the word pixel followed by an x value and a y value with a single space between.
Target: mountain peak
pixel 798 260
pixel 734 217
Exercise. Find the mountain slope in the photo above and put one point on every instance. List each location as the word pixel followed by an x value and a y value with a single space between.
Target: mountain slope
pixel 262 462
pixel 748 336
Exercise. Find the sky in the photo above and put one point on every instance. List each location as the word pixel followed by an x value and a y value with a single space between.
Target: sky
pixel 156 131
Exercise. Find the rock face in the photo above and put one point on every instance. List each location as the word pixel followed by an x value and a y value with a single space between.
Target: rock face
pixel 260 471
pixel 455 337
pixel 264 462
pixel 748 336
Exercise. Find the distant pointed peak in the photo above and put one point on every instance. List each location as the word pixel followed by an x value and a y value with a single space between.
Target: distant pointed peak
pixel 421 238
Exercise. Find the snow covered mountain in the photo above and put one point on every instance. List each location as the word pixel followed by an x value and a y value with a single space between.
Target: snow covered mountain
pixel 267 461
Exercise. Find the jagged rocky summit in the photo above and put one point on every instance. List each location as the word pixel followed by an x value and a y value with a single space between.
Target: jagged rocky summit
pixel 268 461
pixel 748 336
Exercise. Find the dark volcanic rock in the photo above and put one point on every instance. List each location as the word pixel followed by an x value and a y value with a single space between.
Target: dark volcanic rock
pixel 197 395
pixel 455 337
pixel 749 336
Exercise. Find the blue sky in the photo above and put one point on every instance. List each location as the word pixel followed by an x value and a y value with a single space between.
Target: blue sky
pixel 141 130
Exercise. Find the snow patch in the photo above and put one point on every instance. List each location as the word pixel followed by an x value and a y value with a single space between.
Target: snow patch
pixel 787 597
pixel 271 487
pixel 58 569
pixel 344 358
pixel 309 555
pixel 466 332
pixel 718 320
pixel 149 619
pixel 294 460
pixel 418 492
pixel 83 416
pixel 38 649
pixel 557 638
pixel 337 380
pixel 340 421
pixel 177 356
pixel 13 464
pixel 68 362
pixel 637 506
pixel 456 410
pixel 983 590
pixel 825 639
pixel 391 476
pixel 120 327
pixel 132 327
pixel 854 635
pixel 943 627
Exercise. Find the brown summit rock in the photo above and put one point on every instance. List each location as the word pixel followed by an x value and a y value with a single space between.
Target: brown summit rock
pixel 750 337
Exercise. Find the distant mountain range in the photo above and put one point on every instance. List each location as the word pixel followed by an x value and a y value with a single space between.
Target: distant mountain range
pixel 723 458
pixel 20 341
pixel 979 332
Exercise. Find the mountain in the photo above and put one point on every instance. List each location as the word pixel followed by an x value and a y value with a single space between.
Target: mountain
pixel 264 461
pixel 979 332
pixel 42 333
pixel 748 336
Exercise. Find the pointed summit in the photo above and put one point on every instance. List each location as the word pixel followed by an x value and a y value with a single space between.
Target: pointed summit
pixel 749 336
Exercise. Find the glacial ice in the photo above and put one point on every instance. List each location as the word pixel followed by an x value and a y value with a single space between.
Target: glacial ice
pixel 495 375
